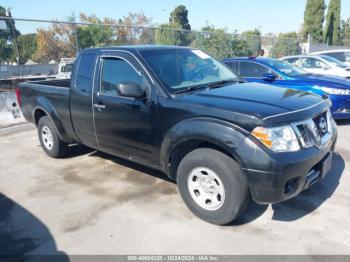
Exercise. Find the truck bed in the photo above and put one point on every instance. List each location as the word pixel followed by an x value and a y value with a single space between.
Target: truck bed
pixel 56 82
pixel 47 94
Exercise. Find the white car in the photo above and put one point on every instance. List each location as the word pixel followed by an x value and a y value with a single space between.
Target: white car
pixel 319 64
pixel 343 55
pixel 65 68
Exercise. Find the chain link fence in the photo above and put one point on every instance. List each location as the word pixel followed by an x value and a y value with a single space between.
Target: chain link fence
pixel 40 49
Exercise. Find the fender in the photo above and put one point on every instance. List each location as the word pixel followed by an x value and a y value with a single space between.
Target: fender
pixel 221 133
pixel 45 105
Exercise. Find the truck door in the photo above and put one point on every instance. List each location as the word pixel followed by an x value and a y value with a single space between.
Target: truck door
pixel 80 98
pixel 123 124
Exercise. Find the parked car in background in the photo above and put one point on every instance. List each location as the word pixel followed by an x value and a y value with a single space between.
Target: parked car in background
pixel 343 55
pixel 277 72
pixel 320 64
pixel 65 68
pixel 182 112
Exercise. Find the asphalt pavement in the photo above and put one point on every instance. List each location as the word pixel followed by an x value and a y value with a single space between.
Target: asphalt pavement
pixel 93 203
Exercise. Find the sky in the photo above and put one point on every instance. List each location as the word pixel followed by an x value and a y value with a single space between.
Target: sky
pixel 269 15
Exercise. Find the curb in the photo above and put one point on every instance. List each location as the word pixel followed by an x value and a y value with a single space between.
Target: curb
pixel 16 128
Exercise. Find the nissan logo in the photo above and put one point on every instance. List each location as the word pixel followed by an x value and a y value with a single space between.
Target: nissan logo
pixel 322 124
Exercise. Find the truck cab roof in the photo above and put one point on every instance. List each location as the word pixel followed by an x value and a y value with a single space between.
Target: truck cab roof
pixel 134 48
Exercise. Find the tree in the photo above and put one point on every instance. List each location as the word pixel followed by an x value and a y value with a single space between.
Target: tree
pixel 313 20
pixel 168 34
pixel 7 38
pixel 173 33
pixel 286 44
pixel 6 51
pixel 26 47
pixel 128 30
pixel 253 39
pixel 345 32
pixel 220 44
pixel 56 42
pixel 135 31
pixel 180 17
pixel 11 32
pixel 332 28
pixel 94 35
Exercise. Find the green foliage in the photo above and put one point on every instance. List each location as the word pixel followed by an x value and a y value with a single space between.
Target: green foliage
pixel 94 36
pixel 169 34
pixel 286 44
pixel 332 28
pixel 253 39
pixel 219 44
pixel 345 32
pixel 7 39
pixel 313 20
pixel 5 51
pixel 180 17
pixel 11 32
pixel 127 30
pixel 26 47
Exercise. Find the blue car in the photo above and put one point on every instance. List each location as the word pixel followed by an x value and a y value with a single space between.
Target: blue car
pixel 277 72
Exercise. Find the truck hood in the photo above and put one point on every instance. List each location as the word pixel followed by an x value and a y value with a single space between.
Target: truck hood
pixel 261 101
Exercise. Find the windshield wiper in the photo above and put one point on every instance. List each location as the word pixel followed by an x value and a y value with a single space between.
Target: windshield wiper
pixel 190 88
pixel 208 86
pixel 222 83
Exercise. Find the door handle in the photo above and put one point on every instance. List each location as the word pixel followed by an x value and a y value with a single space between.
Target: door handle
pixel 99 106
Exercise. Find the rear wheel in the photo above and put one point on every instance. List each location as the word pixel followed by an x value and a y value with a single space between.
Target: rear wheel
pixel 49 139
pixel 212 186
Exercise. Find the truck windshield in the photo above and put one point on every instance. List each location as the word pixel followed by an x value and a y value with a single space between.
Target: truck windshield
pixel 182 69
pixel 286 68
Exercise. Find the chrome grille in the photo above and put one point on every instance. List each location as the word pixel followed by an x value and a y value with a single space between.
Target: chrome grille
pixel 304 135
pixel 315 131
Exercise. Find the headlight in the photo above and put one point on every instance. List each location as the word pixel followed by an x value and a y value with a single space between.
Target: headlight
pixel 278 139
pixel 335 91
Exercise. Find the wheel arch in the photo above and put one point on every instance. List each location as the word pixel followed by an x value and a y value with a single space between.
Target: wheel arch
pixel 45 108
pixel 195 133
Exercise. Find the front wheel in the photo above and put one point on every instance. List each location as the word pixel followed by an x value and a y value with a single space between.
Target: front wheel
pixel 49 139
pixel 212 186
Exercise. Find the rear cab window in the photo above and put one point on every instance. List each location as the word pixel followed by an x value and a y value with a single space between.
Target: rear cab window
pixel 85 72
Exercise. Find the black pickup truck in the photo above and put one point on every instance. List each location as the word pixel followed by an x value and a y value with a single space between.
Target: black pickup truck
pixel 180 111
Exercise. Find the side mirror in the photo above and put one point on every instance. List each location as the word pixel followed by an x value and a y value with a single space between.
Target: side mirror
pixel 130 89
pixel 269 77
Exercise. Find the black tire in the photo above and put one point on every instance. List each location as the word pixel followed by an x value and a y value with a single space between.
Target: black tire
pixel 58 148
pixel 236 197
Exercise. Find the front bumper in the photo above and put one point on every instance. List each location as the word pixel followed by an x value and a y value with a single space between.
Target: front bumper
pixel 274 178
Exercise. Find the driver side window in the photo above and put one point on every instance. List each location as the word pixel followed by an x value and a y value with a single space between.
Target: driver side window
pixel 116 71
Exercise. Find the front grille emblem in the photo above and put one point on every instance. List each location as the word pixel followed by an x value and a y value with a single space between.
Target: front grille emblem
pixel 322 124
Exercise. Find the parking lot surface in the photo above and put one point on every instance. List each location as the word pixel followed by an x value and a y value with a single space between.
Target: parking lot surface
pixel 93 203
